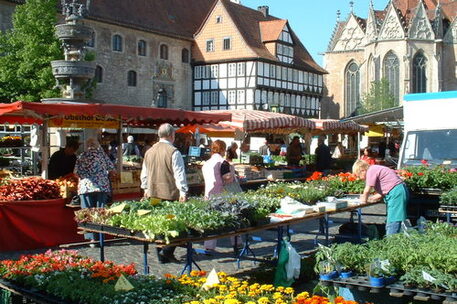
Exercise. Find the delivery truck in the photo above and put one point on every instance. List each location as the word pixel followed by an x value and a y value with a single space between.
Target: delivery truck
pixel 430 134
pixel 430 129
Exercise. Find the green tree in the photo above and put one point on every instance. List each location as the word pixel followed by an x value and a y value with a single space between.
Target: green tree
pixel 378 98
pixel 27 51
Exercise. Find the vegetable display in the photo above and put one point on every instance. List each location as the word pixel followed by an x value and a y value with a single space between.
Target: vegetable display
pixel 32 188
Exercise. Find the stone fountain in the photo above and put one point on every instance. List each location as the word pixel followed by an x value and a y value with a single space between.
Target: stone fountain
pixel 73 74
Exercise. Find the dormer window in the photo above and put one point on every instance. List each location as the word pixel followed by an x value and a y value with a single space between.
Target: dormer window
pixel 285 53
pixel 285 35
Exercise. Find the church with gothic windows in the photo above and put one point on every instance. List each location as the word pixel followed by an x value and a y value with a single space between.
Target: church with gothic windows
pixel 411 45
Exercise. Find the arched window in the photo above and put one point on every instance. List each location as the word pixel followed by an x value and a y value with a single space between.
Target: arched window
pixel 141 48
pixel 162 99
pixel 117 43
pixel 352 88
pixel 164 51
pixel 391 68
pixel 185 55
pixel 419 76
pixel 91 42
pixel 98 74
pixel 131 79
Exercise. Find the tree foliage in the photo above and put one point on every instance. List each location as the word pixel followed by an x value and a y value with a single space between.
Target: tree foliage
pixel 378 98
pixel 27 51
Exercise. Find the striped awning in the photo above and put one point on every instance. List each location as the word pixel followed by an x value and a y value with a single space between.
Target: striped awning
pixel 334 126
pixel 262 121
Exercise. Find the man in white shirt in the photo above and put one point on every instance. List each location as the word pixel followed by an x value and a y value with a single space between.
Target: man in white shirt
pixel 163 176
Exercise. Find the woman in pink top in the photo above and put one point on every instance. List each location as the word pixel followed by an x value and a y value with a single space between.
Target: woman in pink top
pixel 388 186
pixel 217 173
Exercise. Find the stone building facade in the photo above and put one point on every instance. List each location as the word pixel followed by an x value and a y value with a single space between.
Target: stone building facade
pixel 153 53
pixel 411 43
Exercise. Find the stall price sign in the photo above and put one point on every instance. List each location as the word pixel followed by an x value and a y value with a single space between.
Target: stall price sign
pixel 84 121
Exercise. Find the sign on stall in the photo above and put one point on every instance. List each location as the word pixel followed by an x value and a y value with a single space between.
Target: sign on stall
pixel 84 121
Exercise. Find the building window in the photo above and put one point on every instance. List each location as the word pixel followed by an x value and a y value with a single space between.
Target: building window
pixel 218 19
pixel 214 71
pixel 98 74
pixel 117 43
pixel 419 75
pixel 227 43
pixel 352 87
pixel 214 97
pixel 210 45
pixel 91 42
pixel 391 67
pixel 131 79
pixel 232 69
pixel 185 55
pixel 164 51
pixel 198 71
pixel 285 53
pixel 206 98
pixel 240 71
pixel 162 99
pixel 231 97
pixel 142 48
pixel 285 35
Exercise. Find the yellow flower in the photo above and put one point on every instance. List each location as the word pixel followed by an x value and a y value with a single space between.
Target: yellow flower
pixel 250 302
pixel 232 301
pixel 266 287
pixel 303 295
pixel 263 300
pixel 277 295
pixel 289 290
pixel 280 288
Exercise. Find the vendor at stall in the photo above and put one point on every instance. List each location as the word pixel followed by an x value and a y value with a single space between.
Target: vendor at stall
pixel 294 152
pixel 63 162
pixel 387 185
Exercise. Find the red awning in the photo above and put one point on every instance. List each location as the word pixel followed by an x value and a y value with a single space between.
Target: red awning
pixel 262 121
pixel 132 115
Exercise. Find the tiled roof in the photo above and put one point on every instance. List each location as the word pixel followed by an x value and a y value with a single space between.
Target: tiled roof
pixel 408 8
pixel 248 22
pixel 171 17
pixel 270 30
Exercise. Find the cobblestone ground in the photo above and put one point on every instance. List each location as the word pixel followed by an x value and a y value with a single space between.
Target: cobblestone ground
pixel 303 238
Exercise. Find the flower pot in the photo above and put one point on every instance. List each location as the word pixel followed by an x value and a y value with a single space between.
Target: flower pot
pixel 328 276
pixel 346 274
pixel 391 279
pixel 377 282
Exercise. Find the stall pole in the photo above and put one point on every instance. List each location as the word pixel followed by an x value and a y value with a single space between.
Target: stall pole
pixel 119 147
pixel 358 145
pixel 44 149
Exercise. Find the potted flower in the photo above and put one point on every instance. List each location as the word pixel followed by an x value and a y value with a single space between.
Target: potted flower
pixel 380 273
pixel 327 270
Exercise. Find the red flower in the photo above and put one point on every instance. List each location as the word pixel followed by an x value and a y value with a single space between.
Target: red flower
pixel 420 173
pixel 424 162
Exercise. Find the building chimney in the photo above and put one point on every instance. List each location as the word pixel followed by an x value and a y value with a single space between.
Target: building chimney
pixel 264 10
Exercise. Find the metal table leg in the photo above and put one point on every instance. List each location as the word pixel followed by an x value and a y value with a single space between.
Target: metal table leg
pixel 326 228
pixel 145 258
pixel 245 251
pixel 280 231
pixel 359 224
pixel 189 260
pixel 102 246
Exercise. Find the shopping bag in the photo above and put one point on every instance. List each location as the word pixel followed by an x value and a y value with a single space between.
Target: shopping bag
pixel 281 272
pixel 293 264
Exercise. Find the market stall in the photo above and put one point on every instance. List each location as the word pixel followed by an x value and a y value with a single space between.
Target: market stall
pixel 34 225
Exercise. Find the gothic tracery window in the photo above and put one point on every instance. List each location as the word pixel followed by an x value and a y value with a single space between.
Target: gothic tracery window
pixel 391 68
pixel 352 88
pixel 419 84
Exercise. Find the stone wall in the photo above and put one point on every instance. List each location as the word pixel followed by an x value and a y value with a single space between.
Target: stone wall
pixel 6 11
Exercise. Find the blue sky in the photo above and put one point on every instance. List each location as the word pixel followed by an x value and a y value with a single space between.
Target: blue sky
pixel 313 20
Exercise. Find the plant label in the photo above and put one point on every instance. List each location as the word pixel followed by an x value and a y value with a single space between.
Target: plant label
pixel 211 280
pixel 427 277
pixel 123 284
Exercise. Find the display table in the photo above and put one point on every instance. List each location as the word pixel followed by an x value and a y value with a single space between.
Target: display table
pixel 187 241
pixel 36 224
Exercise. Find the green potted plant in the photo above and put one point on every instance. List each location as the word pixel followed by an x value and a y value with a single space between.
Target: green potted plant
pixel 380 273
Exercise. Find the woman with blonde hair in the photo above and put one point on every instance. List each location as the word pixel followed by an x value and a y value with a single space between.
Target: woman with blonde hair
pixel 388 186
pixel 93 167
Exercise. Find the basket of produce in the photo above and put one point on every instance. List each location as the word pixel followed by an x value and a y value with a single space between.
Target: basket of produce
pixel 31 188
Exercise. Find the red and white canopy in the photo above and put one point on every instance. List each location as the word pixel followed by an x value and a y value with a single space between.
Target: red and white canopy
pixel 29 112
pixel 335 126
pixel 262 121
